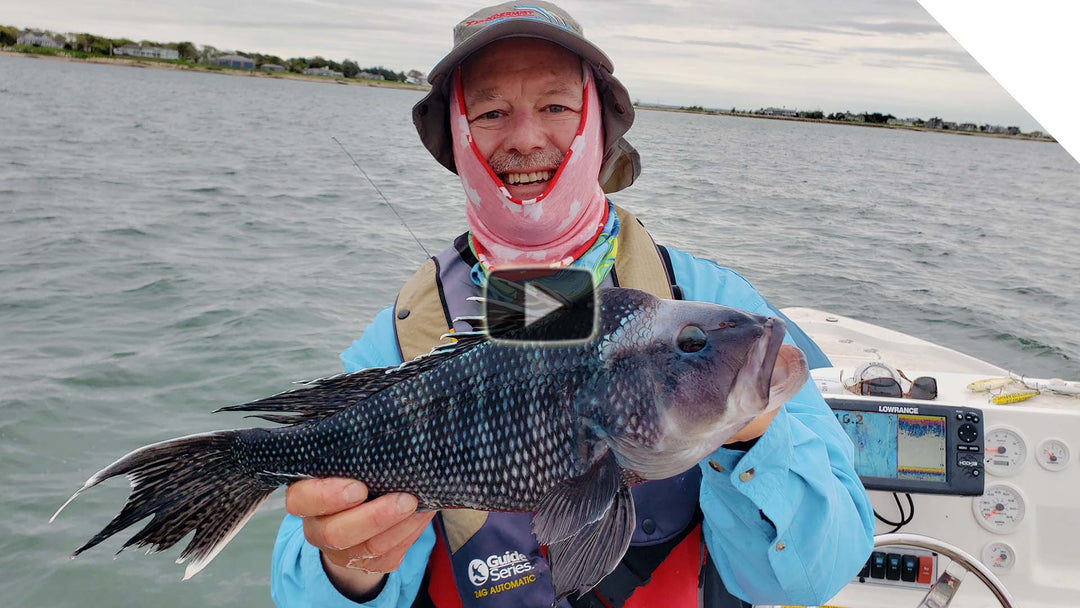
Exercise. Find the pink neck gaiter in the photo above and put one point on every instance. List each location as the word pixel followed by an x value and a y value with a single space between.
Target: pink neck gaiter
pixel 551 230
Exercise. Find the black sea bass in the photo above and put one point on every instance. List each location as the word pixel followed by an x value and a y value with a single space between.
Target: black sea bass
pixel 660 385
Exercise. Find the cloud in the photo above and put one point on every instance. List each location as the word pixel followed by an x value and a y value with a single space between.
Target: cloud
pixel 904 28
pixel 931 57
pixel 711 43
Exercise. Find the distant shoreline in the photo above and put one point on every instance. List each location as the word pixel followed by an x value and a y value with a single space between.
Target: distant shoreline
pixel 389 84
pixel 846 123
pixel 164 65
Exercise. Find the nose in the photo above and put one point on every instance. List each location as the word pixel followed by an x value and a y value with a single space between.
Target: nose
pixel 526 134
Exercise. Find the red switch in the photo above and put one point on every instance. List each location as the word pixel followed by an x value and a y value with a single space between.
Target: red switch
pixel 926 570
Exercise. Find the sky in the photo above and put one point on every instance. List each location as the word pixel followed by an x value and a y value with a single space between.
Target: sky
pixel 886 56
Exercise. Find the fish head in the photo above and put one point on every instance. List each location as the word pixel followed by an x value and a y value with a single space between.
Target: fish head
pixel 706 370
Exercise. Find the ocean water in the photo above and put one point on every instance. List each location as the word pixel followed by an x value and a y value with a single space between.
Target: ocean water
pixel 174 242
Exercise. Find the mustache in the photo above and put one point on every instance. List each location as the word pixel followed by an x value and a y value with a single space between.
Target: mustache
pixel 511 162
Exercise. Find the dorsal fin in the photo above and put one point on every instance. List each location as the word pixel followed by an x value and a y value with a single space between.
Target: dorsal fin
pixel 324 397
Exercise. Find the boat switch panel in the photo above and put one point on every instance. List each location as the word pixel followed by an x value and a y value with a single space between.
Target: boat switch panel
pixel 900 567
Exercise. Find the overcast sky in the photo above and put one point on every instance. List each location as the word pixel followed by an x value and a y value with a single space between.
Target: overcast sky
pixel 829 55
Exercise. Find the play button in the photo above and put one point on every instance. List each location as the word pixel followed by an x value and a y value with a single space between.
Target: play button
pixel 540 305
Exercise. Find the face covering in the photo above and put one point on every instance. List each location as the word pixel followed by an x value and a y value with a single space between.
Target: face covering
pixel 551 230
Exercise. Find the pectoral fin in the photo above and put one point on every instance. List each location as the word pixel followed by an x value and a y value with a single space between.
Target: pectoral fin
pixel 583 560
pixel 575 503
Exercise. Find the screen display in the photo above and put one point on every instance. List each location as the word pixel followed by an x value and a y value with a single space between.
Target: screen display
pixel 896 446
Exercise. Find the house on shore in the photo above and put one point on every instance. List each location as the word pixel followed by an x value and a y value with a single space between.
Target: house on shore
pixel 786 112
pixel 150 52
pixel 234 61
pixel 370 76
pixel 37 39
pixel 323 71
pixel 906 122
pixel 272 67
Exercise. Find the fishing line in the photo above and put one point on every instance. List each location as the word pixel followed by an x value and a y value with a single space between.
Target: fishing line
pixel 386 200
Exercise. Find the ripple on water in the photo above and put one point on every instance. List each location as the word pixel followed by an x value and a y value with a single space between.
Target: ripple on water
pixel 151 274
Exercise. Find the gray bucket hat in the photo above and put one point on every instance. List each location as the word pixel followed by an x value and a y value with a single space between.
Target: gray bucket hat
pixel 536 19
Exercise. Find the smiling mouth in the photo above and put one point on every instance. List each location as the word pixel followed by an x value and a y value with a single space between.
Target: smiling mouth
pixel 534 177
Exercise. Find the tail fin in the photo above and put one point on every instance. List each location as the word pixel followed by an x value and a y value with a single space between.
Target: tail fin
pixel 190 483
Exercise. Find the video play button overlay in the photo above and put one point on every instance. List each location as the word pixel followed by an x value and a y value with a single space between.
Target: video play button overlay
pixel 529 305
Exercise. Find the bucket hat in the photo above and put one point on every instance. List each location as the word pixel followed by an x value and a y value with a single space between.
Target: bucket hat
pixel 546 21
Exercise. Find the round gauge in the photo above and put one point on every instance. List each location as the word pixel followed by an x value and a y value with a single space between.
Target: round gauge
pixel 999 556
pixel 1005 452
pixel 1000 509
pixel 1053 454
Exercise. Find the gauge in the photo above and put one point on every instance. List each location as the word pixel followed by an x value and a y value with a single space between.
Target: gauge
pixel 1005 451
pixel 1053 454
pixel 999 556
pixel 1000 509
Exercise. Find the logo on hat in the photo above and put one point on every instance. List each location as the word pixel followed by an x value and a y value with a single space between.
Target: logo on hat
pixel 521 11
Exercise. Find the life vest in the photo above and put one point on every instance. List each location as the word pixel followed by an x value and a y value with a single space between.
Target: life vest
pixel 491 559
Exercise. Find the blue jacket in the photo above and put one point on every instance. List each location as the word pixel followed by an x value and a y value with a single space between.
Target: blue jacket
pixel 819 528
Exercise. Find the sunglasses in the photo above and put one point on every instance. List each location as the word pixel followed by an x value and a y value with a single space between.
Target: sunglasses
pixel 923 387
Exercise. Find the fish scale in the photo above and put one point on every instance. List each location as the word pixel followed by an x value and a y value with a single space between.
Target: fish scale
pixel 471 436
pixel 559 430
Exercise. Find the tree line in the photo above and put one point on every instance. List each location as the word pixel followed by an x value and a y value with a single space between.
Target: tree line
pixel 190 53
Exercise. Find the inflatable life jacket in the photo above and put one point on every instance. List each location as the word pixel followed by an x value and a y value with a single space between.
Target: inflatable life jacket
pixel 491 559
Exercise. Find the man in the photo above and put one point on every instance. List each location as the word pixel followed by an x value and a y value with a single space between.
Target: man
pixel 526 111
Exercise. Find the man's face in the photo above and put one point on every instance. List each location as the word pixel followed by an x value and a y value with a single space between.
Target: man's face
pixel 523 100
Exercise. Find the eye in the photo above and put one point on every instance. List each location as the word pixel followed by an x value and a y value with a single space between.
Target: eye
pixel 691 339
pixel 556 109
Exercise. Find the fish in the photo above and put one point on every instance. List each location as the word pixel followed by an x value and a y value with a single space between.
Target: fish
pixel 560 430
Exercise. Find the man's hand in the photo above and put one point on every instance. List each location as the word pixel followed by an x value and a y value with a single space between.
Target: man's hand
pixel 756 428
pixel 360 541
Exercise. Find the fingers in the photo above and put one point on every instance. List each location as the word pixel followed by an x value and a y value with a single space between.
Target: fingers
pixel 345 529
pixel 314 497
pixel 756 428
pixel 353 533
pixel 382 552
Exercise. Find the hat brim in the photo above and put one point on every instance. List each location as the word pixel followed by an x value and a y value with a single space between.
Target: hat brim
pixel 431 114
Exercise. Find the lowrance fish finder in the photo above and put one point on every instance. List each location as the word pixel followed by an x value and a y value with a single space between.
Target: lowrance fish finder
pixel 902 446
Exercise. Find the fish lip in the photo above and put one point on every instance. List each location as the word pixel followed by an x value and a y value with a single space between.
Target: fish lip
pixel 775 329
pixel 777 370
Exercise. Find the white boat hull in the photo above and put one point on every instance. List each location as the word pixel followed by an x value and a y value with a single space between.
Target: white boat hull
pixel 1045 568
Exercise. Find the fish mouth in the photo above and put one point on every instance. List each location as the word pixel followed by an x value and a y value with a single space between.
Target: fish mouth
pixel 776 370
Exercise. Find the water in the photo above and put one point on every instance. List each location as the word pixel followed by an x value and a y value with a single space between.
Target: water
pixel 174 242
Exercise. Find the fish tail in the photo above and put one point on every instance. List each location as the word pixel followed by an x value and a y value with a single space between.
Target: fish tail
pixel 193 483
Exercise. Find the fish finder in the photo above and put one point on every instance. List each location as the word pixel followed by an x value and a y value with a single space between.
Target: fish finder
pixel 921 448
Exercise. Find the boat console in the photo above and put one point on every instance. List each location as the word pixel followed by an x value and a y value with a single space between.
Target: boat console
pixel 914 447
pixel 956 478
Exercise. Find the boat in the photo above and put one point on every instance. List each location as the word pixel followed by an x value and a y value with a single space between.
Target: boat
pixel 980 479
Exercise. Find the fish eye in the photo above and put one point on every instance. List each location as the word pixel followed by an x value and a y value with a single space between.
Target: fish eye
pixel 691 339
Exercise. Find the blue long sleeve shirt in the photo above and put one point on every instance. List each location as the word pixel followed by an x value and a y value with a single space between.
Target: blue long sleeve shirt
pixel 817 529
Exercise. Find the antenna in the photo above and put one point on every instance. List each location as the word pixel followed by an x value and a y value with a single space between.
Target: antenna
pixel 362 172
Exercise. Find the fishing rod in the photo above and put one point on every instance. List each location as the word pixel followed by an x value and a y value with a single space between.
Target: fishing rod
pixel 386 200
